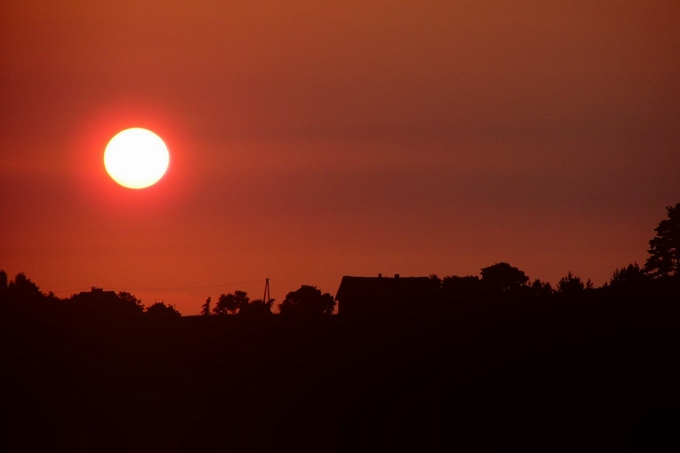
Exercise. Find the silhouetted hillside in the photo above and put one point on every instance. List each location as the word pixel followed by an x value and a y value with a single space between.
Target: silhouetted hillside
pixel 501 373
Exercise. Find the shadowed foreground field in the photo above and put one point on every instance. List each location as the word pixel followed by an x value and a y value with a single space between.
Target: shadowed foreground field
pixel 596 373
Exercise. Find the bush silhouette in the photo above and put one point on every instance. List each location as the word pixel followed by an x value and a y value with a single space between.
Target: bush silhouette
pixel 307 300
pixel 160 310
pixel 256 308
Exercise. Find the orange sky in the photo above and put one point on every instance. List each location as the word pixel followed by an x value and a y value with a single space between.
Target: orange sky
pixel 312 140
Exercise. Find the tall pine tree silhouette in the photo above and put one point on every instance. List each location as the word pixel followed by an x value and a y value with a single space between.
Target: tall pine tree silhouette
pixel 664 248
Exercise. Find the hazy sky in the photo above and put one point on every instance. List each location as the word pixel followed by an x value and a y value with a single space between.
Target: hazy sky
pixel 311 140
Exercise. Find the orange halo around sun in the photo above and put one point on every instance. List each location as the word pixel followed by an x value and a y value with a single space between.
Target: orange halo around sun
pixel 136 158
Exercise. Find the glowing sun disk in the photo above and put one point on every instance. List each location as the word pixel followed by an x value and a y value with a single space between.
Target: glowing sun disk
pixel 136 158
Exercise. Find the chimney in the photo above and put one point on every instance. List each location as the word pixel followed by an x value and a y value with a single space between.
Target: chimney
pixel 396 275
pixel 379 275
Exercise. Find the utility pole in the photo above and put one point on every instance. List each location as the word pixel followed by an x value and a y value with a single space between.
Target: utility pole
pixel 267 296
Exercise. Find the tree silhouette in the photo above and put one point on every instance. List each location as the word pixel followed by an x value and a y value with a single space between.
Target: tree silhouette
pixel 231 303
pixel 572 285
pixel 3 285
pixel 160 310
pixel 307 300
pixel 256 307
pixel 22 288
pixel 205 308
pixel 627 276
pixel 664 248
pixel 541 288
pixel 130 300
pixel 503 277
pixel 461 287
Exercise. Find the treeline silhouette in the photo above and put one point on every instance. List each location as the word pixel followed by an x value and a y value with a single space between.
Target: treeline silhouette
pixel 500 281
pixel 22 294
pixel 488 362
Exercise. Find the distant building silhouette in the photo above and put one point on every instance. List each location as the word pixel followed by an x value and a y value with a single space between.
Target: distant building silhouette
pixel 98 295
pixel 373 295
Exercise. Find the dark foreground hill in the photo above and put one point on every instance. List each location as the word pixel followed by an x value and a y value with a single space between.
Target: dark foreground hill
pixel 598 373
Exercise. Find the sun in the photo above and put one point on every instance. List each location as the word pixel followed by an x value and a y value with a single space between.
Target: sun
pixel 136 158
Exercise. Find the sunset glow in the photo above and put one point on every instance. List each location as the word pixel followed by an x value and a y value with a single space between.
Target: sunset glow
pixel 311 141
pixel 417 225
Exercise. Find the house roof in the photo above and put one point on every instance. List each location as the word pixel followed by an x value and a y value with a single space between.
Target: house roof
pixel 374 288
pixel 98 294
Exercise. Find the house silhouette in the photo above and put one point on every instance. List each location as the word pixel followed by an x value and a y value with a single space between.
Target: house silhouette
pixel 375 295
pixel 98 295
